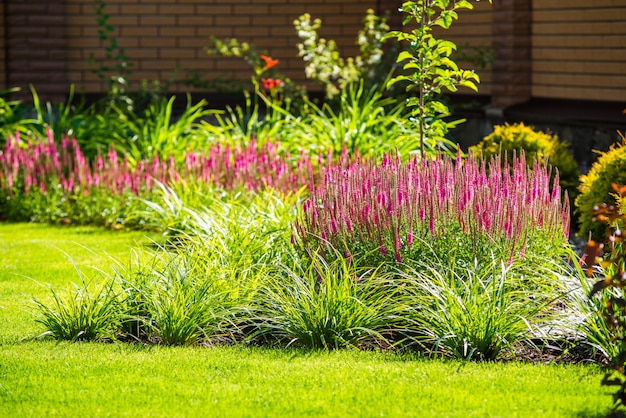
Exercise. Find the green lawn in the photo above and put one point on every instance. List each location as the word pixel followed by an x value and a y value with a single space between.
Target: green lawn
pixel 44 378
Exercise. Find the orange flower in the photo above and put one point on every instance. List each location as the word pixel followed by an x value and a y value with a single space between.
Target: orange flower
pixel 269 62
pixel 270 83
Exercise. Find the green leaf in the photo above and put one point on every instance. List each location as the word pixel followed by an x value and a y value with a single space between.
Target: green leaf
pixel 401 36
pixel 464 4
pixel 406 20
pixel 391 34
pixel 447 46
pixel 447 62
pixel 404 55
pixel 439 107
pixel 411 65
pixel 469 84
pixel 445 19
pixel 394 80
pixel 412 101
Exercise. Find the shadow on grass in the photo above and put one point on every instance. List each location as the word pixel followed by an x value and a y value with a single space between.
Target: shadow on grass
pixel 601 414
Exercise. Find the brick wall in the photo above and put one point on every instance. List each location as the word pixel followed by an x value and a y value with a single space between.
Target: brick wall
pixel 579 49
pixel 35 41
pixel 512 43
pixel 163 35
pixel 3 70
pixel 543 48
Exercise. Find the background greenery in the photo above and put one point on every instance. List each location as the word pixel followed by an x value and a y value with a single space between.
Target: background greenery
pixel 223 269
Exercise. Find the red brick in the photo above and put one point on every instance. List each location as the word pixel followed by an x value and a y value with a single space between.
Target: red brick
pixel 86 43
pixel 359 8
pixel 217 31
pixel 154 41
pixel 25 9
pixel 187 21
pixel 46 20
pixel 176 31
pixel 251 9
pixel 49 66
pixel 272 21
pixel 138 9
pixel 174 53
pixel 213 9
pixel 140 31
pixel 232 20
pixel 150 65
pixel 141 53
pixel 157 20
pixel 177 9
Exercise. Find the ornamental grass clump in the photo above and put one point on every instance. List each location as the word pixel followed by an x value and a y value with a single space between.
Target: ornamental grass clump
pixel 197 289
pixel 326 305
pixel 456 209
pixel 478 312
pixel 85 312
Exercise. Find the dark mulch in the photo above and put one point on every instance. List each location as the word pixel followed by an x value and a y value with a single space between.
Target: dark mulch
pixel 562 352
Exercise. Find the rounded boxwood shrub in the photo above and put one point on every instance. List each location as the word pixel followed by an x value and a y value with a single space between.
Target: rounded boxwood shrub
pixel 512 138
pixel 595 188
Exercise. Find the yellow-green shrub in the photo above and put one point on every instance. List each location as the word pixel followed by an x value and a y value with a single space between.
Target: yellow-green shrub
pixel 512 138
pixel 595 187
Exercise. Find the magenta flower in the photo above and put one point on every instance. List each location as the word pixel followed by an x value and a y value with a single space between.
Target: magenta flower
pixel 385 206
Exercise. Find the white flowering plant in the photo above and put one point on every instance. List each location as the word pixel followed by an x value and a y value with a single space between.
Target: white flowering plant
pixel 324 63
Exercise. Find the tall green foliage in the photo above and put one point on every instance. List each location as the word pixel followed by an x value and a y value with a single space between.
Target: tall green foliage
pixel 428 67
pixel 12 116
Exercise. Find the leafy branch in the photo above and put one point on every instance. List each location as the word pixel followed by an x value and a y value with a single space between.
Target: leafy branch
pixel 428 66
pixel 120 69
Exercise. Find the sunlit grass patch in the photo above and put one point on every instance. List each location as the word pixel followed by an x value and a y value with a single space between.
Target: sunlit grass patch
pixel 48 378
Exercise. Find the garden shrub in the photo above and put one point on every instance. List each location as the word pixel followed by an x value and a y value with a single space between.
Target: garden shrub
pixel 595 188
pixel 608 257
pixel 367 124
pixel 512 138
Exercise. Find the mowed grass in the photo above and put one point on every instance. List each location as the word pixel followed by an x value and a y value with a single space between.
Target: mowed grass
pixel 35 257
pixel 46 378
